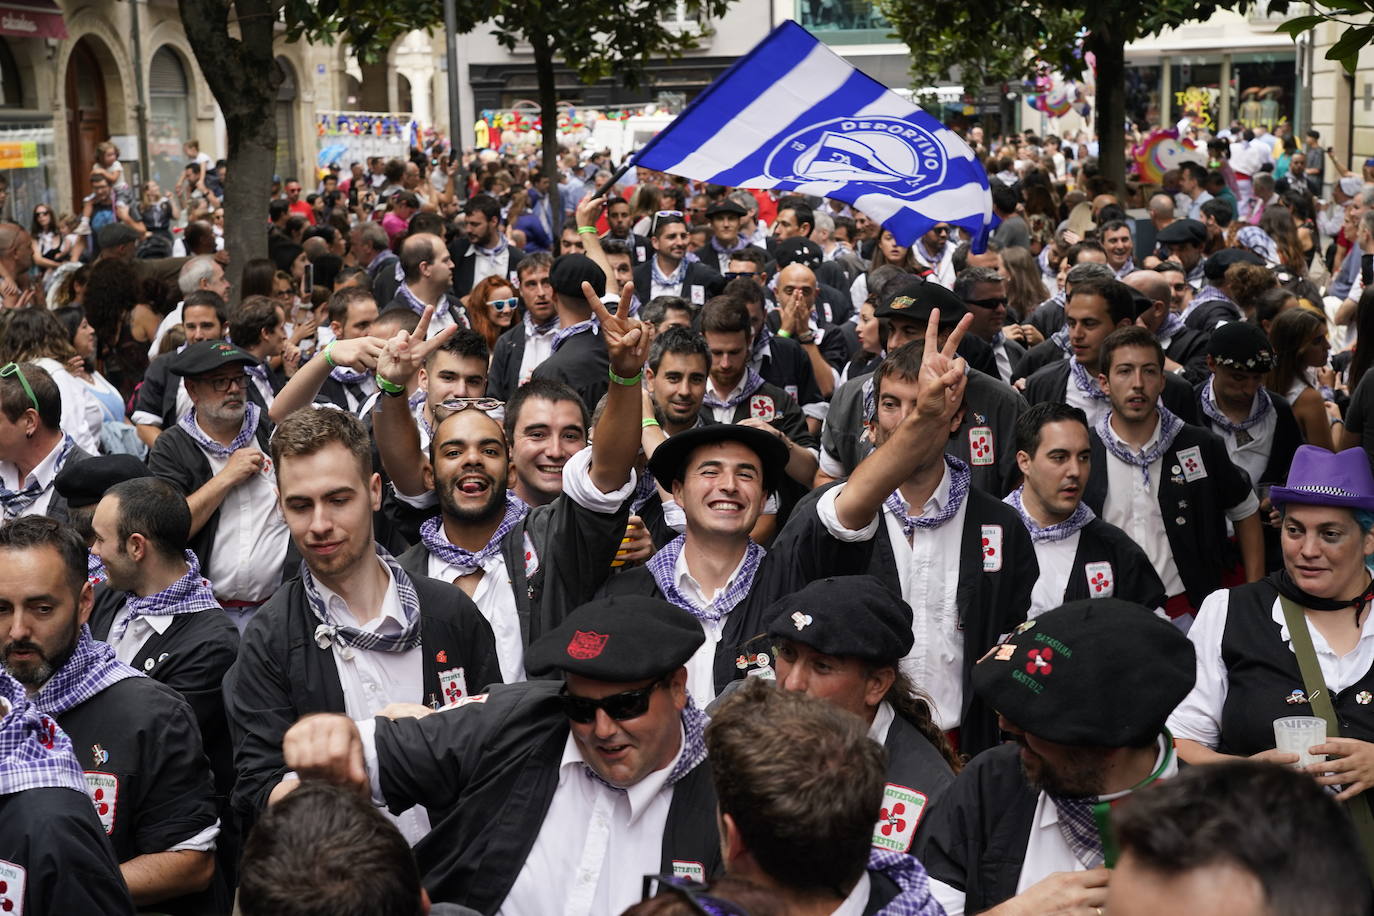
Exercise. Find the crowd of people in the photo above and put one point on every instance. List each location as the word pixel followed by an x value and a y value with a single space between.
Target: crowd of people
pixel 676 548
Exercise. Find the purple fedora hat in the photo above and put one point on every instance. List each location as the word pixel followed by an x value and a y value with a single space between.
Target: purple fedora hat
pixel 1320 478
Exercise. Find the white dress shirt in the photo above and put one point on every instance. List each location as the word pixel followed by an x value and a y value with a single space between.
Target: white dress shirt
pixel 44 472
pixel 81 413
pixel 928 568
pixel 488 265
pixel 373 680
pixel 1056 565
pixel 882 722
pixel 1253 456
pixel 701 667
pixel 250 539
pixel 857 902
pixel 724 414
pixel 1093 407
pixel 138 632
pixel 1198 717
pixel 538 347
pixel 1133 506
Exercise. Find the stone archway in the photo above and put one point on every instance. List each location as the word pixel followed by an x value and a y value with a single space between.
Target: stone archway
pixel 93 89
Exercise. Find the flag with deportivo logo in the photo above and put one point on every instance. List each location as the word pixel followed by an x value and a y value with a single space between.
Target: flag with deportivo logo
pixel 792 115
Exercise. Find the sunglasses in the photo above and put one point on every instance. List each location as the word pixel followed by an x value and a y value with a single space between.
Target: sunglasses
pixel 619 706
pixel 693 893
pixel 12 369
pixel 664 216
pixel 502 305
pixel 732 274
pixel 941 230
pixel 995 302
pixel 450 406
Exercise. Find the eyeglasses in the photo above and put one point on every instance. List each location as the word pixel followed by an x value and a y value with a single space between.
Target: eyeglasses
pixel 693 892
pixel 502 304
pixel 450 406
pixel 225 382
pixel 619 706
pixel 10 369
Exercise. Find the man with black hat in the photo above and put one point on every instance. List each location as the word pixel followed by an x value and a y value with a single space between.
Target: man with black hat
pixel 216 456
pixel 1095 309
pixel 549 796
pixel 578 354
pixel 956 554
pixel 724 216
pixel 116 241
pixel 34 449
pixel 668 272
pixel 1259 429
pixel 1080 555
pixel 988 427
pixel 1183 241
pixel 841 640
pixel 1213 305
pixel 427 268
pixel 1166 482
pixel 1027 823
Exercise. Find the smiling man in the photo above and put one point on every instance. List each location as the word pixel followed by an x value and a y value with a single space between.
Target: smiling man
pixel 354 632
pixel 1117 242
pixel 667 272
pixel 584 786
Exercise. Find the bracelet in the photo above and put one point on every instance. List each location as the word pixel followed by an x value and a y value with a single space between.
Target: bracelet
pixel 586 230
pixel 627 382
pixel 389 387
pixel 784 333
pixel 647 422
pixel 328 357
pixel 808 339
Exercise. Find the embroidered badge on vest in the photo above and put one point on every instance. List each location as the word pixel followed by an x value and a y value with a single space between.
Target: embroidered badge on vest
pixel 12 880
pixel 692 871
pixel 1190 459
pixel 992 548
pixel 761 407
pixel 585 645
pixel 980 450
pixel 454 684
pixel 901 812
pixel 104 792
pixel 1101 579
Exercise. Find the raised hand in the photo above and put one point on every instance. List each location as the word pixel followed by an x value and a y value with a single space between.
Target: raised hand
pixel 589 210
pixel 358 353
pixel 627 339
pixel 940 385
pixel 400 360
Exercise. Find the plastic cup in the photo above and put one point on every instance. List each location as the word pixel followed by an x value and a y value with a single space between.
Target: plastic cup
pixel 1295 734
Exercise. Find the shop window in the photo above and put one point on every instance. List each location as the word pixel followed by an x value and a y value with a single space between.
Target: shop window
pixel 169 117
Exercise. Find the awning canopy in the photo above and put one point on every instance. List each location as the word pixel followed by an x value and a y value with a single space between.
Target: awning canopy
pixel 32 19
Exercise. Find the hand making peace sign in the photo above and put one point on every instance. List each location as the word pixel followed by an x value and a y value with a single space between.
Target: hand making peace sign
pixel 627 339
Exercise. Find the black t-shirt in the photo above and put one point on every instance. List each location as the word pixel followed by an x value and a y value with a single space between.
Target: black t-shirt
pixel 1359 416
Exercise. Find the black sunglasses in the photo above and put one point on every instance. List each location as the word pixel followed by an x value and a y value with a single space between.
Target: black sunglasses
pixel 995 302
pixel 619 706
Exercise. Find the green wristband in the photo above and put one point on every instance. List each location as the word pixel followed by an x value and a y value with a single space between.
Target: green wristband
pixel 627 382
pixel 328 356
pixel 647 422
pixel 389 387
pixel 586 230
pixel 783 333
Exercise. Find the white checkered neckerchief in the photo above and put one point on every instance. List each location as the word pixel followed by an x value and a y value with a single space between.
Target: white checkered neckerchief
pixel 718 248
pixel 347 376
pixel 470 561
pixel 441 307
pixel 752 382
pixel 215 449
pixel 663 566
pixel 187 595
pixel 15 502
pixel 91 668
pixel 534 330
pixel 1061 339
pixel 95 569
pixel 914 897
pixel 870 399
pixel 1258 410
pixel 572 330
pixel 959 477
pixel 645 488
pixel 1172 324
pixel 330 631
pixel 1051 533
pixel 759 344
pixel 1078 826
pixel 259 372
pixel 1169 427
pixel 1209 293
pixel 693 747
pixel 1084 382
pixel 675 279
pixel 34 752
pixel 494 250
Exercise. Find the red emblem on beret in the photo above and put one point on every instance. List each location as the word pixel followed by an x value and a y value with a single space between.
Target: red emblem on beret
pixel 587 645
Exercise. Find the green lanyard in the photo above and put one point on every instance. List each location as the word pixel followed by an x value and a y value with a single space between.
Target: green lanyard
pixel 1102 811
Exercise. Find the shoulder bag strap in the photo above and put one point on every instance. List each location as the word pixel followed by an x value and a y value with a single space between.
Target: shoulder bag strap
pixel 1320 699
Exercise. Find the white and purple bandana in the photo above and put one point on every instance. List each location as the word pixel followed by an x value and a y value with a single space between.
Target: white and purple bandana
pixel 572 330
pixel 959 475
pixel 663 566
pixel 251 413
pixel 1259 409
pixel 752 382
pixel 1057 532
pixel 330 631
pixel 1169 426
pixel 91 668
pixel 470 561
pixel 15 502
pixel 34 752
pixel 187 595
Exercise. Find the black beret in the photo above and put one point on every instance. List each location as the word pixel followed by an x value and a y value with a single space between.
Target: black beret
pixel 669 462
pixel 622 638
pixel 83 483
pixel 1100 672
pixel 112 235
pixel 845 615
pixel 207 356
pixel 1241 345
pixel 1214 268
pixel 570 270
pixel 912 297
pixel 1182 232
pixel 799 251
pixel 726 207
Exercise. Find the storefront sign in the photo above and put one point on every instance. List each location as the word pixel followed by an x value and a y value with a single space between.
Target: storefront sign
pixel 32 19
pixel 18 155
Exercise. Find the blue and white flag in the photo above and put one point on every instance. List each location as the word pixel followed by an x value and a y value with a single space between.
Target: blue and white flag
pixel 795 116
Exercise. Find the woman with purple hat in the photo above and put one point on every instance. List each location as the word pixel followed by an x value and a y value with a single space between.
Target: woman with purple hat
pixel 1247 665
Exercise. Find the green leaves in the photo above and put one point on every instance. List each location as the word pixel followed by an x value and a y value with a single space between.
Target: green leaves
pixel 1357 35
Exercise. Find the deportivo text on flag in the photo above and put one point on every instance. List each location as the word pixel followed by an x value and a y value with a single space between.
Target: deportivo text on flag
pixel 793 115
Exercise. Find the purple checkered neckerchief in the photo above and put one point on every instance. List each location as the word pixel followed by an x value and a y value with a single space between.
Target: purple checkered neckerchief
pixel 752 382
pixel 34 752
pixel 470 561
pixel 187 595
pixel 1084 383
pixel 350 638
pixel 95 569
pixel 693 747
pixel 913 897
pixel 251 413
pixel 442 307
pixel 15 502
pixel 1061 339
pixel 1209 293
pixel 870 399
pixel 494 250
pixel 645 488
pixel 347 376
pixel 663 566
pixel 658 278
pixel 572 330
pixel 759 344
pixel 91 668
pixel 1258 410
pixel 1078 826
pixel 534 330
pixel 1172 324
pixel 1057 532
pixel 959 475
pixel 1169 426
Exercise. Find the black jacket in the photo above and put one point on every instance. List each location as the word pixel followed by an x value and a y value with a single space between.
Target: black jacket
pixel 1126 567
pixel 506 356
pixel 914 768
pixel 464 266
pixel 700 283
pixel 282 674
pixel 487 773
pixel 1188 348
pixel 1052 383
pixel 581 363
pixel 53 836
